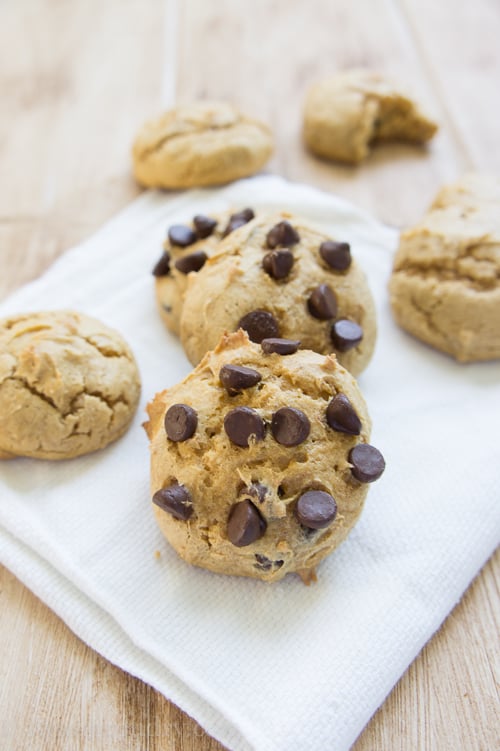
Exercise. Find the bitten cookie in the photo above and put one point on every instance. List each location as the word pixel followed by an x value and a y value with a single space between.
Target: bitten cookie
pixel 445 285
pixel 345 114
pixel 204 143
pixel 185 251
pixel 68 385
pixel 260 459
pixel 278 276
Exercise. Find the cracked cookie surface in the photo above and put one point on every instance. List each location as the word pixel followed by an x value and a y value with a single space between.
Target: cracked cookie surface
pixel 347 113
pixel 204 143
pixel 260 459
pixel 69 385
pixel 279 276
pixel 445 285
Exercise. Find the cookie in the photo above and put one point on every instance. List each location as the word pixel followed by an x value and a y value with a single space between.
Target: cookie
pixel 185 251
pixel 347 113
pixel 204 143
pixel 445 284
pixel 260 459
pixel 278 276
pixel 68 385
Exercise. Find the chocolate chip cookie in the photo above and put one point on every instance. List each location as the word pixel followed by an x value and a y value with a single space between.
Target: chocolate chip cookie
pixel 186 248
pixel 260 459
pixel 348 112
pixel 279 277
pixel 68 385
pixel 204 143
pixel 445 285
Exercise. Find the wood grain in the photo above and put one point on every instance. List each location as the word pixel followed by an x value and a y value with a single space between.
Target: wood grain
pixel 76 80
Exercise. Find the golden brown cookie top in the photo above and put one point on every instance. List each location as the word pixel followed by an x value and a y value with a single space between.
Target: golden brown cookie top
pixel 203 143
pixel 347 112
pixel 459 237
pixel 68 384
pixel 280 276
pixel 260 458
pixel 445 285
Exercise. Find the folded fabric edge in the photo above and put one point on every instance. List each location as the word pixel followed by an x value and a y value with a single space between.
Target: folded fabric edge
pixel 80 613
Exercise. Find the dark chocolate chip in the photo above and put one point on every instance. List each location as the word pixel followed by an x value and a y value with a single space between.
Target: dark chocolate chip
pixel 316 509
pixel 181 235
pixel 235 378
pixel 282 235
pixel 341 415
pixel 192 262
pixel 259 325
pixel 245 524
pixel 263 563
pixel 290 426
pixel 256 490
pixel 162 266
pixel 204 225
pixel 245 214
pixel 278 263
pixel 180 422
pixel 238 220
pixel 346 334
pixel 367 462
pixel 322 302
pixel 336 255
pixel 280 346
pixel 242 423
pixel 176 499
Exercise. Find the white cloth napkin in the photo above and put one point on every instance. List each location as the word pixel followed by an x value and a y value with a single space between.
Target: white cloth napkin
pixel 268 667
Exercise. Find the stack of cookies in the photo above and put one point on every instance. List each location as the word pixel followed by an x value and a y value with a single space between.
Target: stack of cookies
pixel 260 458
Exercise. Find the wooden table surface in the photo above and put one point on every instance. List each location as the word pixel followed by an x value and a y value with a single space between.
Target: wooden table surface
pixel 76 80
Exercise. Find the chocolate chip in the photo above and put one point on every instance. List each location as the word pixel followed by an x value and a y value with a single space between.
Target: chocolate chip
pixel 283 235
pixel 290 426
pixel 316 509
pixel 245 214
pixel 204 225
pixel 280 346
pixel 245 524
pixel 162 266
pixel 322 302
pixel 181 235
pixel 336 255
pixel 263 563
pixel 341 415
pixel 238 220
pixel 235 378
pixel 256 490
pixel 259 325
pixel 242 423
pixel 192 262
pixel 176 499
pixel 180 422
pixel 367 462
pixel 278 263
pixel 345 334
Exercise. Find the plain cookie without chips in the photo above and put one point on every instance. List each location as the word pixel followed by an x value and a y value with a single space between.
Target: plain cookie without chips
pixel 69 385
pixel 445 284
pixel 260 460
pixel 347 113
pixel 185 251
pixel 204 143
pixel 278 276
